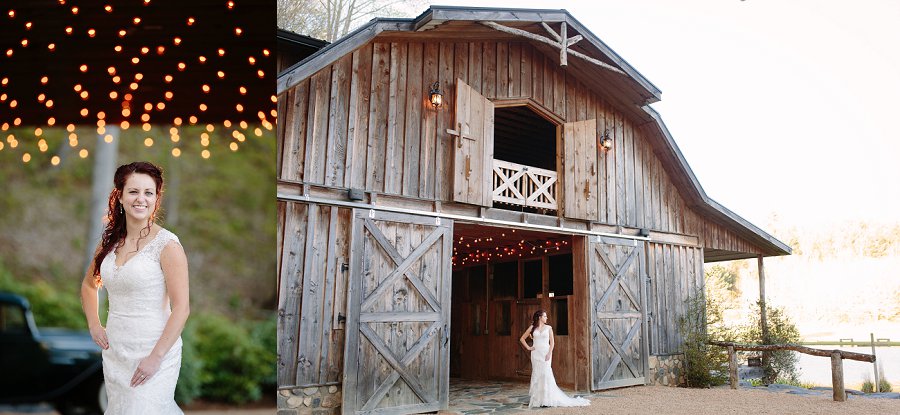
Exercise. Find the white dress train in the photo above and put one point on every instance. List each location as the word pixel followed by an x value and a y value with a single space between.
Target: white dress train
pixel 543 390
pixel 138 312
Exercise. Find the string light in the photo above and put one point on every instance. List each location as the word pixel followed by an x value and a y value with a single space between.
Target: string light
pixel 51 47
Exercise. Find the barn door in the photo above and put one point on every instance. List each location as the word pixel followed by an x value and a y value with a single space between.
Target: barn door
pixel 473 145
pixel 617 298
pixel 580 169
pixel 397 355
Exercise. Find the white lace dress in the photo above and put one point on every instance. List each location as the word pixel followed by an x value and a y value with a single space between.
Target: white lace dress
pixel 138 311
pixel 543 390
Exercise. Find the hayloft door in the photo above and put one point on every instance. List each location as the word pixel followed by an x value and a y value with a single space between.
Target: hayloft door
pixel 473 144
pixel 580 169
pixel 617 298
pixel 397 348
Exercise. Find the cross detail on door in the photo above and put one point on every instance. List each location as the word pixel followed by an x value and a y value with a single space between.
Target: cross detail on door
pixel 458 132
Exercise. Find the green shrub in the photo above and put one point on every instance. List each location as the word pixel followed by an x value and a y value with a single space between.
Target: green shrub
pixel 52 306
pixel 265 334
pixel 705 365
pixel 234 364
pixel 868 386
pixel 884 385
pixel 189 386
pixel 781 364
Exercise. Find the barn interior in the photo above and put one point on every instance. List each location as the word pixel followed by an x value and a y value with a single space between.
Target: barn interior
pixel 501 276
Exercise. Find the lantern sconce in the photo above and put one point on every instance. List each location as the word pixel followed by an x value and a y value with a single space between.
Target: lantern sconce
pixel 435 96
pixel 605 141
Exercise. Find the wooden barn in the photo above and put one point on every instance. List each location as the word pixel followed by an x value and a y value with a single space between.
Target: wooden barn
pixel 443 177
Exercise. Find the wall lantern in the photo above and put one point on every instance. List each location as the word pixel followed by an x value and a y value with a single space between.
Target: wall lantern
pixel 605 141
pixel 435 95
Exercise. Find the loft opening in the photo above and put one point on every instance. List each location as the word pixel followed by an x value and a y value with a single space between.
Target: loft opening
pixel 525 139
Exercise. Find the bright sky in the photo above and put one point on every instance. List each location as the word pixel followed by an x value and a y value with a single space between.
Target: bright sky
pixel 779 106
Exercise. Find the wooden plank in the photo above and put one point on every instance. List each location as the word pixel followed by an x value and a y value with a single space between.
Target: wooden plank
pixel 549 85
pixel 621 180
pixel 570 205
pixel 514 70
pixel 473 160
pixel 394 145
pixel 327 368
pixel 317 127
pixel 352 352
pixel 537 87
pixel 630 201
pixel 559 91
pixel 610 159
pixel 570 109
pixel 489 70
pixel 358 133
pixel 415 108
pixel 453 66
pixel 290 291
pixel 336 154
pixel 297 102
pixel 475 57
pixel 342 276
pixel 460 146
pixel 310 338
pixel 527 71
pixel 431 59
pixel 503 69
pixel 486 175
pixel 378 116
pixel 639 183
pixel 281 108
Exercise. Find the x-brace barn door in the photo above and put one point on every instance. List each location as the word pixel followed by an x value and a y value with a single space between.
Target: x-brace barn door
pixel 397 348
pixel 618 318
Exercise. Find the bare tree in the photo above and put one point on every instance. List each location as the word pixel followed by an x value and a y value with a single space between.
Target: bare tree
pixel 332 19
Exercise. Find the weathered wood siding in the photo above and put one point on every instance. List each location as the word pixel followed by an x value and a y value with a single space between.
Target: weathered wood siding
pixel 314 244
pixel 676 273
pixel 364 122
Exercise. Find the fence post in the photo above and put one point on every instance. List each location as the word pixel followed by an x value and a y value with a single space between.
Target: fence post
pixel 837 377
pixel 732 367
pixel 875 363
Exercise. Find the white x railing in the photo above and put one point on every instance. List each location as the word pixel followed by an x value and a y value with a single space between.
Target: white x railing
pixel 522 185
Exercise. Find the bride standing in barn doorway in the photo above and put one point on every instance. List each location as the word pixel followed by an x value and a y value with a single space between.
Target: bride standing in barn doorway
pixel 543 390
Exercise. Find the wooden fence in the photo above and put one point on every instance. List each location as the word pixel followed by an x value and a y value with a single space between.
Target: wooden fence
pixel 837 365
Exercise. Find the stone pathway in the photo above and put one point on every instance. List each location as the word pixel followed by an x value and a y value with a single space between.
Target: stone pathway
pixel 494 397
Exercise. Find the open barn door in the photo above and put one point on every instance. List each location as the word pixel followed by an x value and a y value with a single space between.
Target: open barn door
pixel 473 147
pixel 397 355
pixel 617 298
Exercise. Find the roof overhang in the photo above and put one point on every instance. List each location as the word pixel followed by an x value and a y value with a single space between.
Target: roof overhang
pixel 714 211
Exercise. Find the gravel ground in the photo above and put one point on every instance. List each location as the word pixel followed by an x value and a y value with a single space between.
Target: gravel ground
pixel 674 401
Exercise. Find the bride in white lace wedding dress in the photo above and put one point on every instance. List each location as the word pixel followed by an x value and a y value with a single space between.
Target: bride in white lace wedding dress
pixel 144 269
pixel 543 390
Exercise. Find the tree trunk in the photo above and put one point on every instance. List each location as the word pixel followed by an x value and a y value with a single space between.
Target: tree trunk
pixel 104 169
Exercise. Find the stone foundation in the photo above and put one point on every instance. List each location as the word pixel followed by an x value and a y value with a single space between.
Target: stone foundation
pixel 666 370
pixel 317 400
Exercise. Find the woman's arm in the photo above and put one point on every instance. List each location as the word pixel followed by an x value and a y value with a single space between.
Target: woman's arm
pixel 552 343
pixel 174 265
pixel 91 306
pixel 525 336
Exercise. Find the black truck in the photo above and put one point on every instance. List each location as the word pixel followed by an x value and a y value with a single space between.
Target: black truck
pixel 59 366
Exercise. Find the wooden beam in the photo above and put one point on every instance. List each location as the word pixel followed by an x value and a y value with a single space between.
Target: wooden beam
pixel 563 44
pixel 862 357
